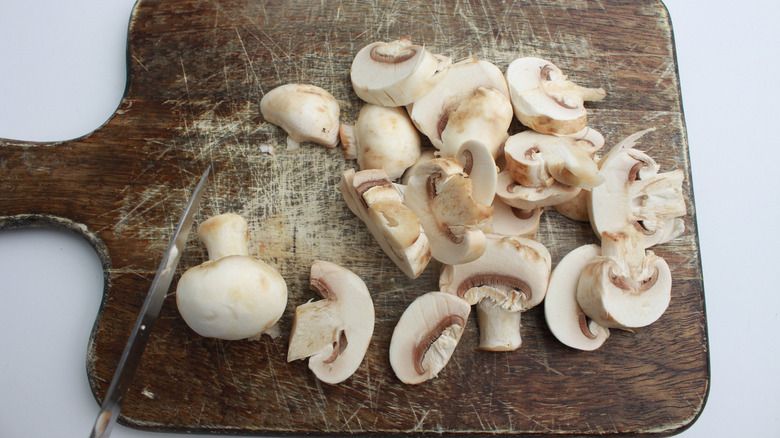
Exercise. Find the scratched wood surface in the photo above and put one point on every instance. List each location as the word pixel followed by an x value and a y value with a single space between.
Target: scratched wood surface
pixel 197 71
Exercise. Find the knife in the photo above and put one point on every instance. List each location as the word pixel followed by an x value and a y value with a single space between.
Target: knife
pixel 131 356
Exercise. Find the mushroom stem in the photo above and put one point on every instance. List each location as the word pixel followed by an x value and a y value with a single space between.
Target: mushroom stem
pixel 499 329
pixel 225 235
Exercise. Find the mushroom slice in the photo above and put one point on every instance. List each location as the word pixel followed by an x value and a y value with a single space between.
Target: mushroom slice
pixel 382 138
pixel 511 221
pixel 566 320
pixel 307 113
pixel 427 154
pixel 484 116
pixel 426 336
pixel 576 208
pixel 479 165
pixel 333 332
pixel 509 278
pixel 533 159
pixel 635 194
pixel 626 287
pixel 376 201
pixel 442 198
pixel 431 112
pixel 545 100
pixel 530 198
pixel 396 73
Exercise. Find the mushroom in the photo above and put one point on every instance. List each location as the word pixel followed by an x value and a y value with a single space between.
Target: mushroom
pixel 564 316
pixel 484 116
pixel 232 295
pixel 635 194
pixel 373 198
pixel 426 336
pixel 334 333
pixel 511 221
pixel 441 196
pixel 626 287
pixel 427 154
pixel 534 159
pixel 509 278
pixel 382 138
pixel 479 165
pixel 431 112
pixel 545 100
pixel 530 198
pixel 307 113
pixel 396 73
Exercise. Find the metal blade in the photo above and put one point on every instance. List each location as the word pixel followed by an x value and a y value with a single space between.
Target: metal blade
pixel 112 403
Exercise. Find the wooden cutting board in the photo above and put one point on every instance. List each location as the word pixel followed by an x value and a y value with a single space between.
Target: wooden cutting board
pixel 197 71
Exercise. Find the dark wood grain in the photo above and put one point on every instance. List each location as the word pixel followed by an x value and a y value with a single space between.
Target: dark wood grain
pixel 197 71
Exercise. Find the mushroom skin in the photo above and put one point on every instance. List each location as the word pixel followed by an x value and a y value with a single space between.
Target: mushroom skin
pixel 232 295
pixel 627 286
pixel 530 198
pixel 509 278
pixel 440 195
pixel 426 336
pixel 634 193
pixel 511 221
pixel 335 332
pixel 564 316
pixel 396 73
pixel 307 113
pixel 484 116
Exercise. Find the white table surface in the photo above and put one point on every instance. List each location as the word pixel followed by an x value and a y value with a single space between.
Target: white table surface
pixel 62 74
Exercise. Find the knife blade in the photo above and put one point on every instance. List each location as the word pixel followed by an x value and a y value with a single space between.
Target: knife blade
pixel 131 356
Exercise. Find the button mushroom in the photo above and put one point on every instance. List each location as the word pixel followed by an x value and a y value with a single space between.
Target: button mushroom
pixel 396 73
pixel 564 316
pixel 626 287
pixel 635 194
pixel 530 198
pixel 508 279
pixel 441 196
pixel 511 221
pixel 426 336
pixel 545 100
pixel 232 295
pixel 307 113
pixel 479 165
pixel 334 333
pixel 484 116
pixel 373 198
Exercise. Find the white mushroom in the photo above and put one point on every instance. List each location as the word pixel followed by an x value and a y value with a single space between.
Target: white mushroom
pixel 232 295
pixel 511 221
pixel 626 287
pixel 396 73
pixel 382 138
pixel 373 198
pixel 530 198
pixel 307 113
pixel 566 320
pixel 484 116
pixel 426 336
pixel 509 278
pixel 479 165
pixel 635 194
pixel 545 100
pixel 441 196
pixel 427 154
pixel 431 112
pixel 333 332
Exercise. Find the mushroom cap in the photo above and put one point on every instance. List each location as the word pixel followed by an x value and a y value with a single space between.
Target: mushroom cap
pixel 543 98
pixel 395 73
pixel 563 314
pixel 479 165
pixel 511 221
pixel 530 198
pixel 333 332
pixel 484 116
pixel 234 297
pixel 386 139
pixel 426 336
pixel 306 112
pixel 576 208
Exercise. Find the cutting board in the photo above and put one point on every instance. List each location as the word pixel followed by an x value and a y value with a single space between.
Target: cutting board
pixel 197 71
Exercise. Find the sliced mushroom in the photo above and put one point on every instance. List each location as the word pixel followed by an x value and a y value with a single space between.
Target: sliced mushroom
pixel 396 73
pixel 431 112
pixel 545 100
pixel 373 198
pixel 442 198
pixel 484 116
pixel 566 320
pixel 530 198
pixel 576 208
pixel 427 154
pixel 307 113
pixel 334 333
pixel 426 336
pixel 382 138
pixel 479 165
pixel 626 287
pixel 511 221
pixel 509 278
pixel 635 194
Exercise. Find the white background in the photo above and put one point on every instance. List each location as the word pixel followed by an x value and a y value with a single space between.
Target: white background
pixel 62 75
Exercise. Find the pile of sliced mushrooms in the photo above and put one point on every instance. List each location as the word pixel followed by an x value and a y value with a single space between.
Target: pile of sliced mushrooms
pixel 473 202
